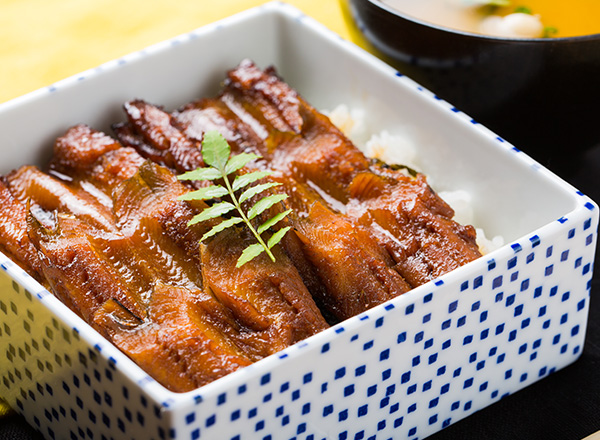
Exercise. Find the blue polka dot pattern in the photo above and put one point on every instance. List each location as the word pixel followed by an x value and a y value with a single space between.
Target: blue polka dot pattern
pixel 389 373
pixel 405 369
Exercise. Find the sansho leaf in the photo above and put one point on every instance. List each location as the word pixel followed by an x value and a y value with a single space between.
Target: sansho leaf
pixel 239 161
pixel 264 204
pixel 273 221
pixel 253 190
pixel 550 31
pixel 246 179
pixel 201 174
pixel 215 150
pixel 523 10
pixel 277 236
pixel 249 253
pixel 221 227
pixel 215 153
pixel 206 193
pixel 216 210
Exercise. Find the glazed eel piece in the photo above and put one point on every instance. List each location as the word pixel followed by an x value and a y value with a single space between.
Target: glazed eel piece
pixel 148 330
pixel 133 274
pixel 271 293
pixel 261 309
pixel 409 220
pixel 14 240
pixel 267 299
pixel 173 302
pixel 407 217
pixel 335 257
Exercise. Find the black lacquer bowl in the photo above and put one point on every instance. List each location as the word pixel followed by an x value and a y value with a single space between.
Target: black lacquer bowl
pixel 542 95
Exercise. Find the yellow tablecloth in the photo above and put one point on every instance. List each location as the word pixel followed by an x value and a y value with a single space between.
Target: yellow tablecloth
pixel 44 41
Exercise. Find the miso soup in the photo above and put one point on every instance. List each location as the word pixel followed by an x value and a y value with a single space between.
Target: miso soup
pixel 508 18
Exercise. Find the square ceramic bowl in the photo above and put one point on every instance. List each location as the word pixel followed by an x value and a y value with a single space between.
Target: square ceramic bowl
pixel 405 369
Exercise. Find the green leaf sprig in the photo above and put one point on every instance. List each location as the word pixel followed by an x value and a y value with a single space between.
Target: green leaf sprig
pixel 523 10
pixel 549 32
pixel 215 153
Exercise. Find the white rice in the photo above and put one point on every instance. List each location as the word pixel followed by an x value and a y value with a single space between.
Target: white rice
pixel 401 149
pixel 460 201
pixel 352 124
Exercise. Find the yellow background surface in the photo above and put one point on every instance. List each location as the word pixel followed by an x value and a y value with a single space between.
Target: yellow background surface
pixel 43 41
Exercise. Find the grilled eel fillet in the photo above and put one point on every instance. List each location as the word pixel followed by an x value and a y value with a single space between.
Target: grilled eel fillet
pixel 405 215
pixel 103 229
pixel 363 232
pixel 345 269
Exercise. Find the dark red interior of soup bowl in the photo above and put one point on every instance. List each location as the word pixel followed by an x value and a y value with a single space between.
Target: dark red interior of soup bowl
pixel 542 95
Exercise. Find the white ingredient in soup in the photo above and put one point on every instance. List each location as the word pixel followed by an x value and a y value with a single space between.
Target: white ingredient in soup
pixel 476 16
pixel 400 148
pixel 513 25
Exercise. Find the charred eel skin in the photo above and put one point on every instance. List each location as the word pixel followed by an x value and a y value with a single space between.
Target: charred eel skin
pixel 104 231
pixel 102 228
pixel 348 209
